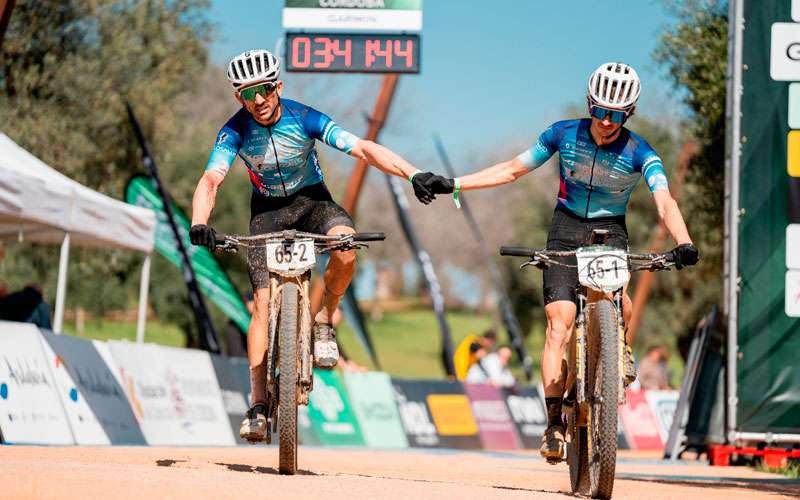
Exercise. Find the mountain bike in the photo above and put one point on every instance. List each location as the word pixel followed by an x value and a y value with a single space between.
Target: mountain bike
pixel 290 257
pixel 595 384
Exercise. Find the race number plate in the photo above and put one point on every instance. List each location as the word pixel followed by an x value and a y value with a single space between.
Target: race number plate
pixel 292 257
pixel 603 268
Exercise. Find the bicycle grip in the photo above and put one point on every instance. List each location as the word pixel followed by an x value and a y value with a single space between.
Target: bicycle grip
pixel 516 251
pixel 369 237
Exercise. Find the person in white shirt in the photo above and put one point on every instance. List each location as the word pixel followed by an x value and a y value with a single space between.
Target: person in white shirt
pixel 493 369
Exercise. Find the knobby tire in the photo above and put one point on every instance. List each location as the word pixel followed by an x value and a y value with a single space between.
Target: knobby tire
pixel 604 379
pixel 287 395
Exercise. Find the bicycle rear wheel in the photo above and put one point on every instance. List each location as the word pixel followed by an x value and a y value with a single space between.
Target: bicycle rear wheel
pixel 604 388
pixel 287 392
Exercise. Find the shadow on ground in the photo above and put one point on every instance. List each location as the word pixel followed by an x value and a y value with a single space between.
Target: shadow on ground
pixel 261 470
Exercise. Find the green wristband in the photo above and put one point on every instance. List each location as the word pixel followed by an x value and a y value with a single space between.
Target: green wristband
pixel 411 177
pixel 456 190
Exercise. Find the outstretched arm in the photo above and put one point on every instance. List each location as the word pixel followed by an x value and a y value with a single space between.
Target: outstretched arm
pixel 383 158
pixel 496 175
pixel 670 215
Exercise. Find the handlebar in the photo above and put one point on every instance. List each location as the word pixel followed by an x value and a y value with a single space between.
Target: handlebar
pixel 369 237
pixel 327 242
pixel 517 251
pixel 544 258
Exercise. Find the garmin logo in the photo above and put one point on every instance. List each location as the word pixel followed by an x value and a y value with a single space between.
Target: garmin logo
pixel 352 4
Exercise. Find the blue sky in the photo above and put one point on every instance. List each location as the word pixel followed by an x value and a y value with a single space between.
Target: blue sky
pixel 494 74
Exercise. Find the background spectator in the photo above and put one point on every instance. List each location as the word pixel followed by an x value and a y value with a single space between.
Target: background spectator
pixel 653 372
pixel 493 369
pixel 27 306
pixel 470 350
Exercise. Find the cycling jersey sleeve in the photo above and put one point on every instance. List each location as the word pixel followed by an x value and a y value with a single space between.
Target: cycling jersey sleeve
pixel 652 168
pixel 545 147
pixel 229 139
pixel 321 126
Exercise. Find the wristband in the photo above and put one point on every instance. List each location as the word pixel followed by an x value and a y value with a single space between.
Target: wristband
pixel 411 177
pixel 456 190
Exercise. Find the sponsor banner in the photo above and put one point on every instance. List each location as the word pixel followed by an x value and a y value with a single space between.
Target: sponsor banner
pixel 174 394
pixel 639 423
pixel 30 409
pixel 197 396
pixel 233 375
pixel 528 412
pixel 331 415
pixel 373 15
pixel 93 399
pixel 305 429
pixel 213 281
pixel 663 404
pixel 497 430
pixel 436 414
pixel 374 405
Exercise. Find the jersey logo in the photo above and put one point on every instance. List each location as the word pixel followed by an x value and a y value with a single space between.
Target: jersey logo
pixel 222 137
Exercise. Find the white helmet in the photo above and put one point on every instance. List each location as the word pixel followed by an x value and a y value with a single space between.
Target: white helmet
pixel 253 66
pixel 614 85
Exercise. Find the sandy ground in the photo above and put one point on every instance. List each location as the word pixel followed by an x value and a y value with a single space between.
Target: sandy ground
pixel 250 472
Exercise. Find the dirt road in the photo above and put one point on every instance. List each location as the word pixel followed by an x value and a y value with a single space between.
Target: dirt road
pixel 250 472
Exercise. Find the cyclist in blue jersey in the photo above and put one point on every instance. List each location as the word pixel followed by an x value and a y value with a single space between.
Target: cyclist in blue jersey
pixel 600 163
pixel 275 138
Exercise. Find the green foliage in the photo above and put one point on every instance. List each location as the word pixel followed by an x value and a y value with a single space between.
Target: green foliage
pixel 66 70
pixel 694 51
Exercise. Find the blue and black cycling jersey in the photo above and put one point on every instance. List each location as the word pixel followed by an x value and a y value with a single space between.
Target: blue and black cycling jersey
pixel 596 181
pixel 280 158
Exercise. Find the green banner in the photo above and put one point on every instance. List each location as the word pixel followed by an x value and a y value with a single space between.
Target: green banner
pixel 213 281
pixel 331 416
pixel 374 404
pixel 355 4
pixel 769 339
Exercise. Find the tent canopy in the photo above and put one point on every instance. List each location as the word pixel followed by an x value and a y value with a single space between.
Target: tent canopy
pixel 42 204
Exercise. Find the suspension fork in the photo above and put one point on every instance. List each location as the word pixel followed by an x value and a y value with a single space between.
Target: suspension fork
pixel 580 350
pixel 275 296
pixel 305 338
pixel 618 305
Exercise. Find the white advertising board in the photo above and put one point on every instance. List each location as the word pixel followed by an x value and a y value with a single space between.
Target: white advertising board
pixel 785 52
pixel 364 15
pixel 148 391
pixel 174 394
pixel 663 404
pixel 197 397
pixel 93 399
pixel 30 409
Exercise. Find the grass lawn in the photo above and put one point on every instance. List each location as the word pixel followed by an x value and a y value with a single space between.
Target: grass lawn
pixel 158 333
pixel 408 342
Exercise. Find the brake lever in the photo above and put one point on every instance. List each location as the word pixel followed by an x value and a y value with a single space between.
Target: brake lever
pixel 537 263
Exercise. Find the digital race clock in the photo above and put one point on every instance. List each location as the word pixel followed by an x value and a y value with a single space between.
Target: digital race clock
pixel 352 53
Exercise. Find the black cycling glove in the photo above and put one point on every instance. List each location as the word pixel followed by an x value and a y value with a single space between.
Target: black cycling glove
pixel 440 185
pixel 202 235
pixel 422 193
pixel 685 255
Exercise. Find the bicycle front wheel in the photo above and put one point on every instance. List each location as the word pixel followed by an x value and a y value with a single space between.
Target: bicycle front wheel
pixel 287 392
pixel 604 388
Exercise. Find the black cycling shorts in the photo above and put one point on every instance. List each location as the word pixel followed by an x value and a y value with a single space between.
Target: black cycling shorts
pixel 310 209
pixel 569 232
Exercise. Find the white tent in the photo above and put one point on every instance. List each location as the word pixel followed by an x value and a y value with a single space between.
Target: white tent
pixel 38 203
